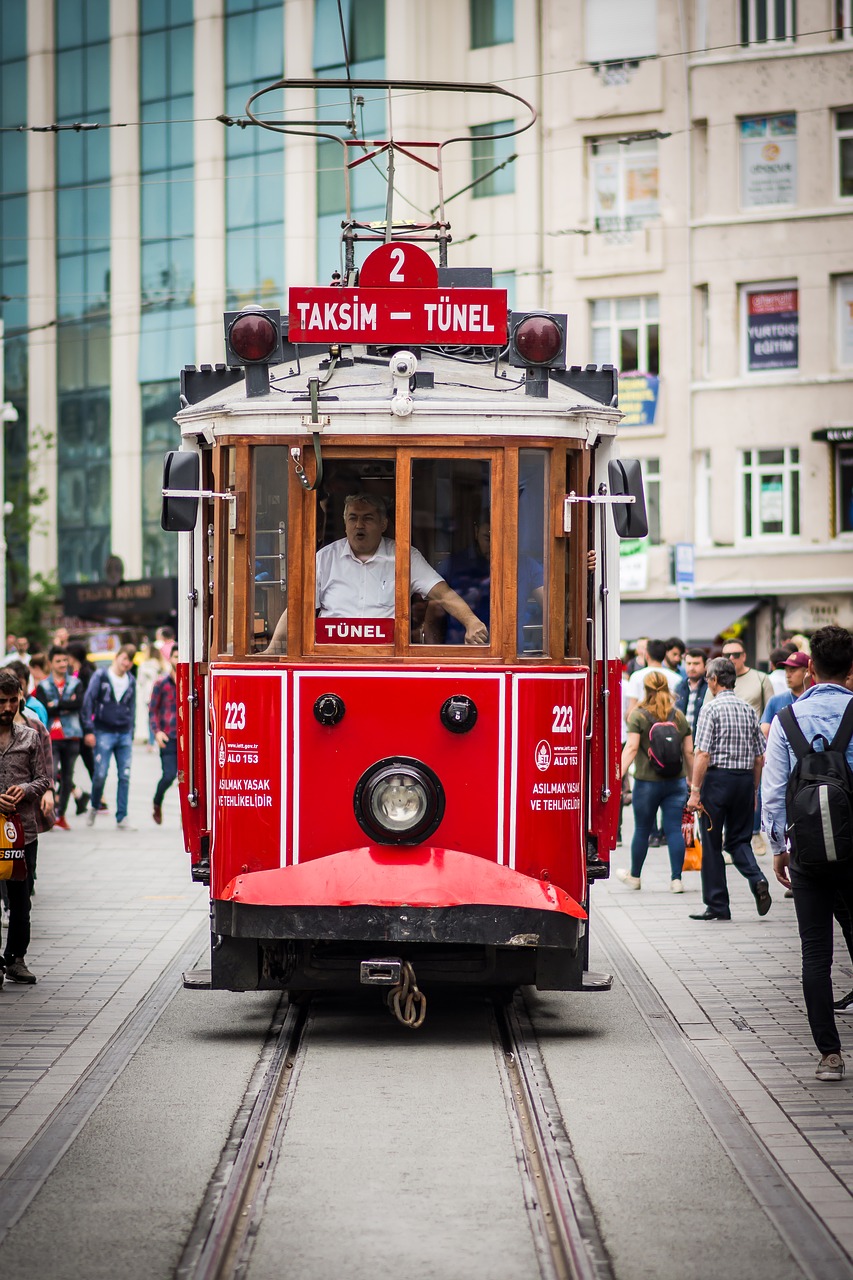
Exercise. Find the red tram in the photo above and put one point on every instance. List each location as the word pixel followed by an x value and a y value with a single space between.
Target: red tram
pixel 399 683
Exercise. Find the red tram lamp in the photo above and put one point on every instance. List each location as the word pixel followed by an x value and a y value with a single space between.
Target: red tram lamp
pixel 253 340
pixel 537 343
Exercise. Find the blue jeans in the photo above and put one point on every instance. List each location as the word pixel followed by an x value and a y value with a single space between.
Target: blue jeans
pixel 108 745
pixel 670 796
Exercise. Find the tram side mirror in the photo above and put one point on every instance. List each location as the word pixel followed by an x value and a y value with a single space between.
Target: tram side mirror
pixel 179 513
pixel 626 480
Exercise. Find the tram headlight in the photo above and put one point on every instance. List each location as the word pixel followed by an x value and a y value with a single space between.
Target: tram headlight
pixel 399 801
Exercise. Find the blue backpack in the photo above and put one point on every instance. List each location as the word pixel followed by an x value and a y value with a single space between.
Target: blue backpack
pixel 819 795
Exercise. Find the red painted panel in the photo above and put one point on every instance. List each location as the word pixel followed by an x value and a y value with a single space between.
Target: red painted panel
pixel 604 815
pixel 376 876
pixel 248 725
pixel 547 832
pixel 388 714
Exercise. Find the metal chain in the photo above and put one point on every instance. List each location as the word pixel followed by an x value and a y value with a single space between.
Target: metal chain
pixel 405 1000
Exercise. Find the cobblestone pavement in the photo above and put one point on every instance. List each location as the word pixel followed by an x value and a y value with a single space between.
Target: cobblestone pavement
pixel 735 991
pixel 111 910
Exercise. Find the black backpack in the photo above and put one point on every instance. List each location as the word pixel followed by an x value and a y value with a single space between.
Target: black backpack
pixel 819 795
pixel 666 751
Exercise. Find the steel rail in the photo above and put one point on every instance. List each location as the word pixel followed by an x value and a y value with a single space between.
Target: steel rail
pixel 220 1243
pixel 565 1232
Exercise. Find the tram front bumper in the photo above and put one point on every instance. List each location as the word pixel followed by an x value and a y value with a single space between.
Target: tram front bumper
pixel 422 895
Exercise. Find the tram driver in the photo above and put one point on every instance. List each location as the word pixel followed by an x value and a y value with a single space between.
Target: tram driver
pixel 355 575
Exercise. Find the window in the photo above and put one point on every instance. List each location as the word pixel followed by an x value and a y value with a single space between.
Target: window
pixel 533 544
pixel 651 484
pixel 843 19
pixel 625 333
pixel 703 304
pixel 844 153
pixel 768 161
pixel 491 168
pixel 270 469
pixel 159 434
pixel 844 304
pixel 620 30
pixel 451 528
pixel 491 22
pixel 506 280
pixel 844 488
pixel 765 20
pixel 770 486
pixel 770 322
pixel 624 184
pixel 702 504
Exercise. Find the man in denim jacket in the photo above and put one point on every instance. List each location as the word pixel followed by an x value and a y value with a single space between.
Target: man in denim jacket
pixel 109 716
pixel 62 696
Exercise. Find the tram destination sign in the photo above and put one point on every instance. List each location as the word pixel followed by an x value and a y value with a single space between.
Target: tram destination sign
pixel 398 301
pixel 446 317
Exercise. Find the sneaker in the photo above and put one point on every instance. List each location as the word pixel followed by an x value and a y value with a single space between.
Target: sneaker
pixel 62 823
pixel 830 1067
pixel 633 882
pixel 727 859
pixel 103 807
pixel 82 802
pixel 676 887
pixel 18 971
pixel 846 1002
pixel 759 848
pixel 124 825
pixel 157 814
pixel 91 815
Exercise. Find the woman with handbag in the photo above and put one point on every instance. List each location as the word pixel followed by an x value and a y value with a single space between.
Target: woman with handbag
pixel 660 746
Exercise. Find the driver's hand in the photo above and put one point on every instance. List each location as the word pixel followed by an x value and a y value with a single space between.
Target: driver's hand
pixel 477 633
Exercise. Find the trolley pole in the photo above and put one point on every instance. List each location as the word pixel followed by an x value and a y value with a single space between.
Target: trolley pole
pixel 8 413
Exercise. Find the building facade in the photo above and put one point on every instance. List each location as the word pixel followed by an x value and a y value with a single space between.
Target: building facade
pixel 686 195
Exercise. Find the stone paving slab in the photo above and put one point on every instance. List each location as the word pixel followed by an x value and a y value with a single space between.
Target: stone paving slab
pixel 111 911
pixel 736 992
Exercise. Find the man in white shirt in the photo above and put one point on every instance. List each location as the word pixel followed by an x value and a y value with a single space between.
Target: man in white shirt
pixel 355 575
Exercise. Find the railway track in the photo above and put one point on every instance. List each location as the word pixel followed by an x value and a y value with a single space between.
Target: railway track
pixel 566 1241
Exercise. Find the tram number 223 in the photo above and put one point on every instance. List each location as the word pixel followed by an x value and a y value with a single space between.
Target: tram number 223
pixel 563 719
pixel 235 715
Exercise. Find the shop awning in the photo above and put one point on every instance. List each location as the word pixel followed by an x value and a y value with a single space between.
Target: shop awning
pixel 660 619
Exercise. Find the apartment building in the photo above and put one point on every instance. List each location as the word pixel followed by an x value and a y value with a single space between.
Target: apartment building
pixel 686 195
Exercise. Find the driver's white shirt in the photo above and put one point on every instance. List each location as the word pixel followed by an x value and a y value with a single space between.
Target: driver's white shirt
pixel 347 587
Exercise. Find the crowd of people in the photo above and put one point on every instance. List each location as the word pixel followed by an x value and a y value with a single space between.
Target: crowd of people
pixel 739 749
pixel 58 708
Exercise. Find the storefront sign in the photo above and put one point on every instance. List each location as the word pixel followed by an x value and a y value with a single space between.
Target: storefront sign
pixel 633 565
pixel 808 613
pixel 768 158
pixel 772 329
pixel 638 399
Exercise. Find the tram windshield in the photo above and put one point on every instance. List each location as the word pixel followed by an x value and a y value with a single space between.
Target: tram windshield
pixel 443 513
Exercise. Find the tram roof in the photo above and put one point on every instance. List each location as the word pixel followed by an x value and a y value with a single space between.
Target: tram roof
pixel 361 383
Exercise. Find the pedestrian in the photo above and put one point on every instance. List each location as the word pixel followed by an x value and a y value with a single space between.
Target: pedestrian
pixel 796 667
pixel 150 668
pixel 755 688
pixel 23 782
pixel 660 776
pixel 639 658
pixel 726 772
pixel 20 651
pixel 690 693
pixel 109 714
pixel 778 658
pixel 84 670
pixel 30 713
pixel 655 654
pixel 674 656
pixel 62 696
pixel 33 706
pixel 163 718
pixel 816 885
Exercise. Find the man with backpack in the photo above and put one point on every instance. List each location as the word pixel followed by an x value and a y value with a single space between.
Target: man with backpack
pixel 808 819
pixel 729 753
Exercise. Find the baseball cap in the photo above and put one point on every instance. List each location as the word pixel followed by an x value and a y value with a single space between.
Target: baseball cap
pixel 797 660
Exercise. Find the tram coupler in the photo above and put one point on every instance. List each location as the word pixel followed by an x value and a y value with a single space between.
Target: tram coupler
pixel 381 973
